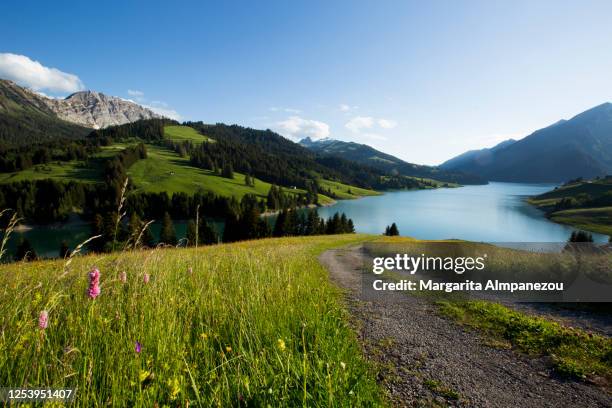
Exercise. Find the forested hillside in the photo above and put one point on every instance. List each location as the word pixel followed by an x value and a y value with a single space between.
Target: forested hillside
pixel 26 119
pixel 584 203
pixel 368 156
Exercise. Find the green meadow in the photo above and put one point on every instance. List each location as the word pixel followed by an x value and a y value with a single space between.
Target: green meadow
pixel 587 204
pixel 180 133
pixel 165 170
pixel 344 191
pixel 589 219
pixel 76 170
pixel 253 324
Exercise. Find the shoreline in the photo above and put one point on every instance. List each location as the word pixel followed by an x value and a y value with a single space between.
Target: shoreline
pixel 309 206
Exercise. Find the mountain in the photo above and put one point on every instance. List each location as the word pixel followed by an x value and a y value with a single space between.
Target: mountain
pixel 578 147
pixel 477 157
pixel 26 116
pixel 96 110
pixel 369 156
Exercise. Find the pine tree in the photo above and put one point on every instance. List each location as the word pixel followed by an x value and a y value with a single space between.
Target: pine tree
pixel 207 234
pixel 64 250
pixel 228 171
pixel 351 226
pixel 25 251
pixel 279 226
pixel 147 239
pixel 97 245
pixel 580 236
pixel 168 233
pixel 393 230
pixel 134 227
pixel 191 233
pixel 272 201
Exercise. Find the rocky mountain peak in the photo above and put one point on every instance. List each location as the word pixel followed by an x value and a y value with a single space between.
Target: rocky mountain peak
pixel 97 110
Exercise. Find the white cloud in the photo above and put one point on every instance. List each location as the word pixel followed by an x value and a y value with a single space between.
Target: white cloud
pixel 159 107
pixel 387 123
pixel 359 123
pixel 134 93
pixel 34 75
pixel 168 113
pixel 288 110
pixel 347 108
pixel 296 127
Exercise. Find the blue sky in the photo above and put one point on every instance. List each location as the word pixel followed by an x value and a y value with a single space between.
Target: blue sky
pixel 421 80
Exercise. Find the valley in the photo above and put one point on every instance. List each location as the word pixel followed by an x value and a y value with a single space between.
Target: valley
pixel 585 204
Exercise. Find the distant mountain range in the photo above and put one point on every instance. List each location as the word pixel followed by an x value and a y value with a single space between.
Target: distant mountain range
pixel 579 147
pixel 26 116
pixel 371 157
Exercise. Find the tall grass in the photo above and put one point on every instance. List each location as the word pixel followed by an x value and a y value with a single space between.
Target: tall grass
pixel 10 227
pixel 256 323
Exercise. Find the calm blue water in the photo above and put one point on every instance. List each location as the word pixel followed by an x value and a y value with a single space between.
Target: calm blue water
pixel 47 239
pixel 496 212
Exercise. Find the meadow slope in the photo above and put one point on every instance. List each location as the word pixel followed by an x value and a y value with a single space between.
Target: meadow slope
pixel 253 323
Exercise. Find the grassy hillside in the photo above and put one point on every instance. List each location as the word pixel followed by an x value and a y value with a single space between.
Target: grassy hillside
pixel 586 204
pixel 163 170
pixel 182 133
pixel 25 118
pixel 75 170
pixel 344 191
pixel 256 323
pixel 589 219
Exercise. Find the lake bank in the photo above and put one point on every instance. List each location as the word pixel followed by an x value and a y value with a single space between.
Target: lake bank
pixel 496 212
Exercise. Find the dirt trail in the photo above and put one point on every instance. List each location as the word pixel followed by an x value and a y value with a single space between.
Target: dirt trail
pixel 428 360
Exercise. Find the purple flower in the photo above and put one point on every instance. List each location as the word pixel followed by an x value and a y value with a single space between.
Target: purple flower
pixel 138 347
pixel 43 320
pixel 94 283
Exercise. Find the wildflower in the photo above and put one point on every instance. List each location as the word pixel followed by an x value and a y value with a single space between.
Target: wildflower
pixel 94 283
pixel 190 270
pixel 123 277
pixel 175 388
pixel 343 365
pixel 228 349
pixel 138 347
pixel 143 375
pixel 281 344
pixel 43 320
pixel 203 336
pixel 146 278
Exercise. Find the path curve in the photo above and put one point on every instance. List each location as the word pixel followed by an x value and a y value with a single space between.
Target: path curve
pixel 429 360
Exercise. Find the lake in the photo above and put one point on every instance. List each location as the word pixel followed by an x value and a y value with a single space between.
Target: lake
pixel 496 212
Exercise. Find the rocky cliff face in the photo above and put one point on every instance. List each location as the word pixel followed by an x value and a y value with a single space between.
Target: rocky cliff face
pixel 96 110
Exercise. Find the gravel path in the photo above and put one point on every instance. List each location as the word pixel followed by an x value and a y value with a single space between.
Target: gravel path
pixel 427 360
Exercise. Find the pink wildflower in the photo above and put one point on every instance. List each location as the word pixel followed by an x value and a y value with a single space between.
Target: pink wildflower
pixel 123 277
pixel 190 270
pixel 43 320
pixel 138 347
pixel 94 283
pixel 146 278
